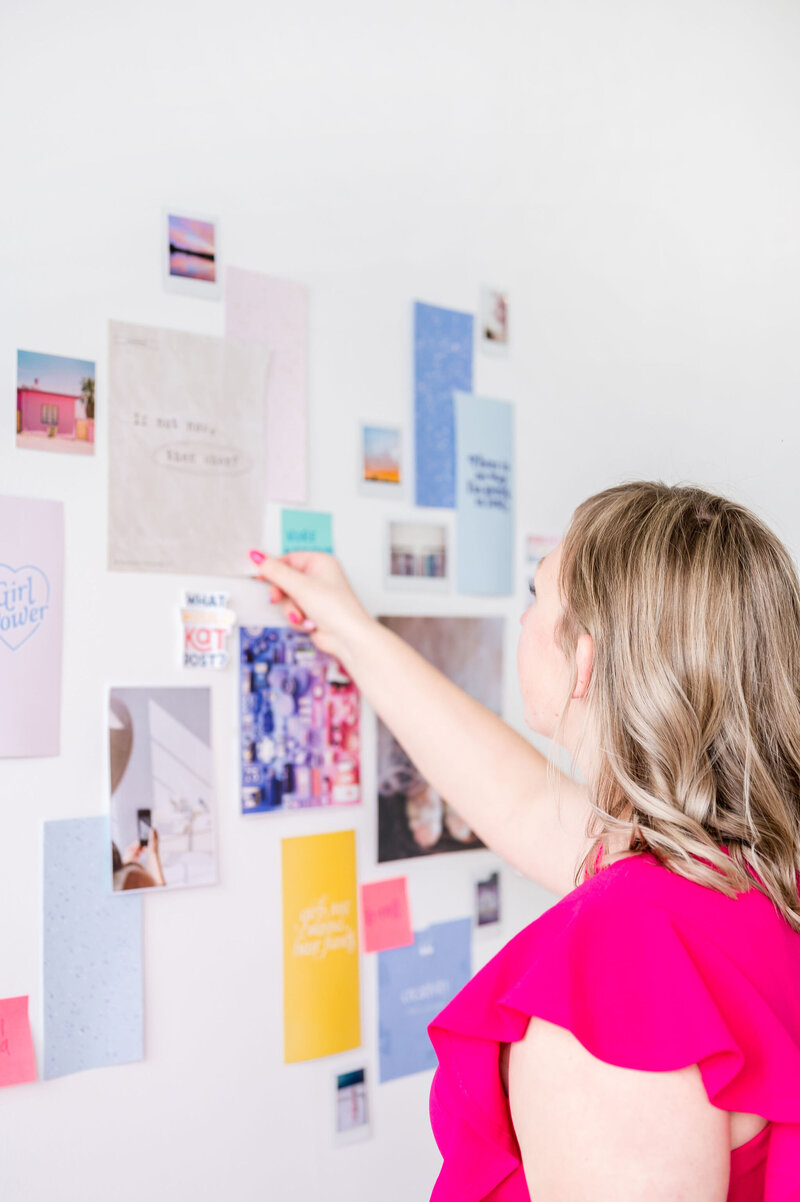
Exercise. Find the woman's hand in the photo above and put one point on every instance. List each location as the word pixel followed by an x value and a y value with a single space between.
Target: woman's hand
pixel 314 595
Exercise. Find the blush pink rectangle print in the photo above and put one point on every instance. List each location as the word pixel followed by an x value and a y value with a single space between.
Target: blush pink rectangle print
pixel 274 313
pixel 17 1061
pixel 386 915
pixel 31 575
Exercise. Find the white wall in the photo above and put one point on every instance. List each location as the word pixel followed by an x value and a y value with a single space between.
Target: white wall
pixel 629 170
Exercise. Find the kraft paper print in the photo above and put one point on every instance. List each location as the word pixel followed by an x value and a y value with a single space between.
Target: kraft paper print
pixel 92 953
pixel 274 313
pixel 186 466
pixel 31 574
pixel 321 1004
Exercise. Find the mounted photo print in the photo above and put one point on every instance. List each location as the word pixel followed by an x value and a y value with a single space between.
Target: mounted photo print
pixel 163 829
pixel 190 256
pixel 55 403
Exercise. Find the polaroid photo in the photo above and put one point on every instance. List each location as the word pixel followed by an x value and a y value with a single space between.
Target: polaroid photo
pixel 536 547
pixel 417 556
pixel 351 1114
pixel 487 901
pixel 55 403
pixel 380 466
pixel 493 321
pixel 191 254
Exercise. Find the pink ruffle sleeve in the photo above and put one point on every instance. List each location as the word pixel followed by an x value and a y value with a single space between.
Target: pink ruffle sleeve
pixel 649 971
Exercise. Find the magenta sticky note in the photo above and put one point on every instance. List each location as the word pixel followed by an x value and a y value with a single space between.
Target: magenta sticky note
pixel 17 1062
pixel 31 571
pixel 385 913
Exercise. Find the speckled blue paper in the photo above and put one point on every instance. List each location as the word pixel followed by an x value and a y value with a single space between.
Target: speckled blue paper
pixel 442 363
pixel 92 953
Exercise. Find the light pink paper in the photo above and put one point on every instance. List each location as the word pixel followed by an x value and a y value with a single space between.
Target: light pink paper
pixel 17 1061
pixel 274 312
pixel 31 575
pixel 386 916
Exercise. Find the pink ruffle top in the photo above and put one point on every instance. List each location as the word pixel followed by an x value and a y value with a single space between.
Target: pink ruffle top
pixel 649 971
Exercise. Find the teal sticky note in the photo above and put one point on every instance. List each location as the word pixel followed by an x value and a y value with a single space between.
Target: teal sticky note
pixel 305 530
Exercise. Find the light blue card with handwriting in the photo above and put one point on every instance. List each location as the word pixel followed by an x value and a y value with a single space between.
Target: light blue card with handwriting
pixel 484 495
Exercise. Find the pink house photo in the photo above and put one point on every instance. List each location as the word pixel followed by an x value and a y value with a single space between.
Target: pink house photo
pixel 55 403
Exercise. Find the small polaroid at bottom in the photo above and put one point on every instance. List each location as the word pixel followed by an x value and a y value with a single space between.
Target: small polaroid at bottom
pixel 352 1111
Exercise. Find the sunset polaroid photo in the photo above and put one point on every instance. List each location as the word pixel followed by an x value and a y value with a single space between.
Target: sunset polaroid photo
pixel 190 255
pixel 381 462
pixel 493 323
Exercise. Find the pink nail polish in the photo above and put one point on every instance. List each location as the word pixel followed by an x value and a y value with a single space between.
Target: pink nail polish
pixel 309 626
pixel 257 556
pixel 293 618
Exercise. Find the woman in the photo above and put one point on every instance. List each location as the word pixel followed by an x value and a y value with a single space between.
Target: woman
pixel 641 1039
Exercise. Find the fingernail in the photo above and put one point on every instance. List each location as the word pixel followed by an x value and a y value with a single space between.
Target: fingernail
pixel 309 625
pixel 293 618
pixel 257 556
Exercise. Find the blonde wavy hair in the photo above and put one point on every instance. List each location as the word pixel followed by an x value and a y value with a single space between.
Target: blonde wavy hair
pixel 693 606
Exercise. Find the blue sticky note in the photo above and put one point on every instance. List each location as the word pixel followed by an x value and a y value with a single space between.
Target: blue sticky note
pixel 305 530
pixel 414 984
pixel 92 953
pixel 485 495
pixel 443 352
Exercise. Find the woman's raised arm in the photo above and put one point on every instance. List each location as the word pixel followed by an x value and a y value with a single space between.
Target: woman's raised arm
pixel 489 773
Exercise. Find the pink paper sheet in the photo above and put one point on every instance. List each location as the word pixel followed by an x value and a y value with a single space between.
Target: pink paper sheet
pixel 31 573
pixel 17 1062
pixel 274 312
pixel 386 916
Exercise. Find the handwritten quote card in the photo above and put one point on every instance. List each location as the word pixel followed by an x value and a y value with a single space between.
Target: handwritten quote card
pixel 17 1062
pixel 485 495
pixel 321 1010
pixel 186 461
pixel 31 573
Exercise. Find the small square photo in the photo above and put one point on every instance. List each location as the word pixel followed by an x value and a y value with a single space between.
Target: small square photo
pixel 494 321
pixel 55 403
pixel 381 472
pixel 417 556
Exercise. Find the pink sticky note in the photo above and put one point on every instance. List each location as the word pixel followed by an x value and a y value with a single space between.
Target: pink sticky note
pixel 17 1063
pixel 387 921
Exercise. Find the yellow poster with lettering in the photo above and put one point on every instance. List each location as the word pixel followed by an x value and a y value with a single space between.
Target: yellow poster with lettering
pixel 321 1003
